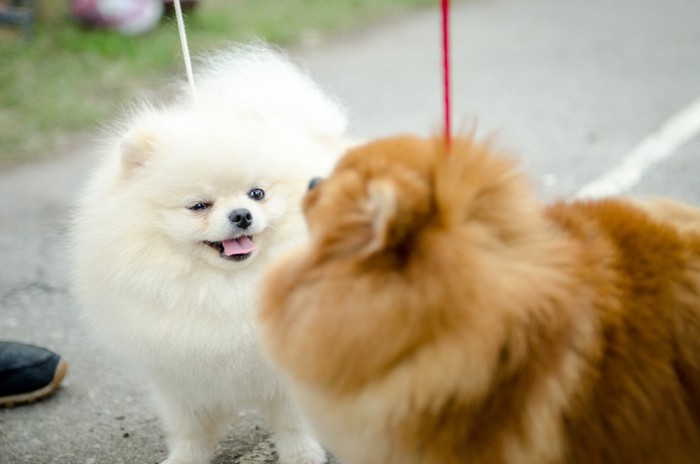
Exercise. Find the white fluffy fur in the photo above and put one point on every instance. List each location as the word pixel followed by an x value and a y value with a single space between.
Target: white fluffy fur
pixel 154 293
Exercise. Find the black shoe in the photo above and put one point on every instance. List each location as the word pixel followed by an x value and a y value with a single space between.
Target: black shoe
pixel 28 373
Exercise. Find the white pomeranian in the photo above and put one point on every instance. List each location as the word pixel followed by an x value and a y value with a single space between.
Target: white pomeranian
pixel 187 207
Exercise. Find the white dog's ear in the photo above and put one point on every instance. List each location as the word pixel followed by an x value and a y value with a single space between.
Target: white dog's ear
pixel 382 208
pixel 137 147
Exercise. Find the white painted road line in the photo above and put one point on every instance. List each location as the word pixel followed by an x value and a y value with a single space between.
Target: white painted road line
pixel 653 149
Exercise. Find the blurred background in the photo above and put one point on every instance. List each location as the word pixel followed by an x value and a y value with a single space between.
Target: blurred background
pixel 73 62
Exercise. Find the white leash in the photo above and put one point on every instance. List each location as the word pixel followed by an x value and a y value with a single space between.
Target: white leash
pixel 185 47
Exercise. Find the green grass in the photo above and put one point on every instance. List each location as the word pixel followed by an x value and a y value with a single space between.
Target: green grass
pixel 68 80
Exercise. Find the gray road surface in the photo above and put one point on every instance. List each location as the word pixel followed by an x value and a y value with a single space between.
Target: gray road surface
pixel 571 86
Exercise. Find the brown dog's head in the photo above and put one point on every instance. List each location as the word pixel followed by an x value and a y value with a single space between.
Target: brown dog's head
pixel 383 197
pixel 409 245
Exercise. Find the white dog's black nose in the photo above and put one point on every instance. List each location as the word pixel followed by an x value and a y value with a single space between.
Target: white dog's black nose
pixel 241 218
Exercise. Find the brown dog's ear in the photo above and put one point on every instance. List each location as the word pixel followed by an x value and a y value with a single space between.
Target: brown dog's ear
pixel 381 209
pixel 137 146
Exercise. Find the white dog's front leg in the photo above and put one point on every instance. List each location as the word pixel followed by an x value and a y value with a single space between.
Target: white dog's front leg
pixel 293 438
pixel 189 452
pixel 193 432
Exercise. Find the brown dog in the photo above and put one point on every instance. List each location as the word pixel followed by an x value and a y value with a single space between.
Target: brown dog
pixel 441 314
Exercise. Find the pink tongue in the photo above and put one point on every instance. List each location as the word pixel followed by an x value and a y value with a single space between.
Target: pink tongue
pixel 238 246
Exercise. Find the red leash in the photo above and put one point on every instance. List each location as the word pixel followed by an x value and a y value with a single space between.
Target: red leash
pixel 446 68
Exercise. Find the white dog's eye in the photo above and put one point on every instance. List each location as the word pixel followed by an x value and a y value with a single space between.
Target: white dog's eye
pixel 256 194
pixel 199 206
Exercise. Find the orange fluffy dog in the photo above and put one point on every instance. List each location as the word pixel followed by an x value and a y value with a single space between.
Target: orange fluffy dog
pixel 441 314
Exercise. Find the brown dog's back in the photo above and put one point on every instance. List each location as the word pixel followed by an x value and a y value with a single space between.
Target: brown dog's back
pixel 641 399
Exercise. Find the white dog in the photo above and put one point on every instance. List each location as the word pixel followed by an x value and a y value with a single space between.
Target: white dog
pixel 182 216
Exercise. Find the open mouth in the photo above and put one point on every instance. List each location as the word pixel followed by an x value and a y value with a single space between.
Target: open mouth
pixel 235 249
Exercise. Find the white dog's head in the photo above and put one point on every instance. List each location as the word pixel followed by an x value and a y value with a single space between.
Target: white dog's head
pixel 222 188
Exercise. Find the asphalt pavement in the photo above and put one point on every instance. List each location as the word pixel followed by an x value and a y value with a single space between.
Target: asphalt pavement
pixel 571 87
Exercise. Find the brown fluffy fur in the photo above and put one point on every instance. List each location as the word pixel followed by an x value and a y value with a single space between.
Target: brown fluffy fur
pixel 441 315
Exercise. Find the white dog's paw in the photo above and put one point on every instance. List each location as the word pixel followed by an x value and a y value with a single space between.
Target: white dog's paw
pixel 186 453
pixel 184 460
pixel 292 437
pixel 180 460
pixel 303 452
